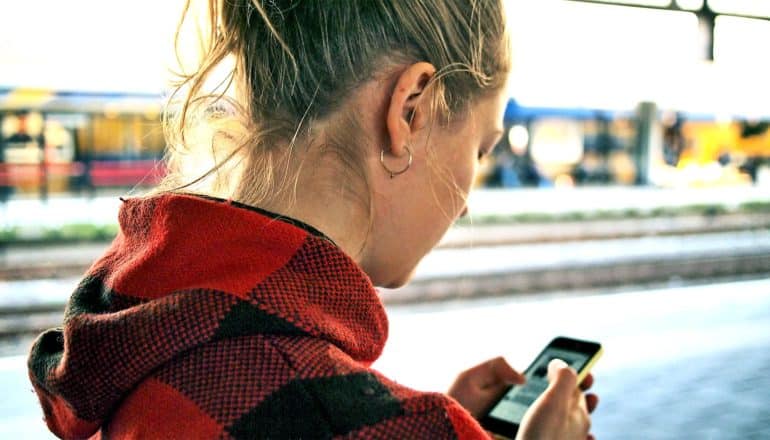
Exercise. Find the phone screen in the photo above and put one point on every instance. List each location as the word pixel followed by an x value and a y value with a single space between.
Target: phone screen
pixel 514 404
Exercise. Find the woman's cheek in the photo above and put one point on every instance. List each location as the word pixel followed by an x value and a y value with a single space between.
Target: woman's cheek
pixel 469 175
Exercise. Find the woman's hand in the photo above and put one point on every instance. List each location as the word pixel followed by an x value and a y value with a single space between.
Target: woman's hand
pixel 562 411
pixel 477 388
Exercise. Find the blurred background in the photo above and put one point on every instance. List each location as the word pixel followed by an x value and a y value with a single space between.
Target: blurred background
pixel 629 202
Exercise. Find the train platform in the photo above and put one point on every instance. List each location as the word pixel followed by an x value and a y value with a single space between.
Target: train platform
pixel 684 362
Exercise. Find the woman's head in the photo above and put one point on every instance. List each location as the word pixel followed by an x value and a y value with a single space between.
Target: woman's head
pixel 321 89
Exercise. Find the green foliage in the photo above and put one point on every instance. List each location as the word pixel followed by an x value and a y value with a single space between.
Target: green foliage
pixel 70 233
pixel 709 210
pixel 8 234
pixel 756 206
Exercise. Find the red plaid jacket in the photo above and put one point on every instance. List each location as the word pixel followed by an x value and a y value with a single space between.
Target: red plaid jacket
pixel 210 319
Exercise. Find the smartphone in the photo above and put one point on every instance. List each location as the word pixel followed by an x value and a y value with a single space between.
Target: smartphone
pixel 504 416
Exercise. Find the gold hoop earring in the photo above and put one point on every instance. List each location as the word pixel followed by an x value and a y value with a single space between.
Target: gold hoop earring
pixel 401 171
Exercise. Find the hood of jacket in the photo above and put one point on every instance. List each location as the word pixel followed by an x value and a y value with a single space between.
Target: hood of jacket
pixel 185 270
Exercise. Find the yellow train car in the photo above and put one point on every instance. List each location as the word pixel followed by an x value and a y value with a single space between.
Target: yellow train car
pixel 56 141
pixel 708 141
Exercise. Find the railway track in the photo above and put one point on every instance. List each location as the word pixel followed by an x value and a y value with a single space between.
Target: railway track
pixel 22 320
pixel 65 260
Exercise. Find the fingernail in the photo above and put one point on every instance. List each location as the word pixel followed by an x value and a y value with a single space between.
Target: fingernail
pixel 558 363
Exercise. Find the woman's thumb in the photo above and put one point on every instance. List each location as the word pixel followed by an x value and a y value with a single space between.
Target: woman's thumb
pixel 561 377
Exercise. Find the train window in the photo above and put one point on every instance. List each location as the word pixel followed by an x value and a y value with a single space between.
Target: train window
pixel 59 141
pixel 557 143
pixel 152 139
pixel 108 135
pixel 21 133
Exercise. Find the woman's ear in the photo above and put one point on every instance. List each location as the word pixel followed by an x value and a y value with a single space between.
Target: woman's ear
pixel 407 111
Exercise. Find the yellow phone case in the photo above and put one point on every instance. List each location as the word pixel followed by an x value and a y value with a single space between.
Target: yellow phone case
pixel 587 369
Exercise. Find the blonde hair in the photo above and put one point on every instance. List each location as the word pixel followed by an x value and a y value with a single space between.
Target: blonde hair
pixel 295 63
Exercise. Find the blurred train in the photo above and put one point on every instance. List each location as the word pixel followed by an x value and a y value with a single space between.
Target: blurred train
pixel 560 146
pixel 57 141
pixel 60 141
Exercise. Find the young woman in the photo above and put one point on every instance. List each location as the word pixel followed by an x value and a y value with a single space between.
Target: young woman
pixel 238 299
